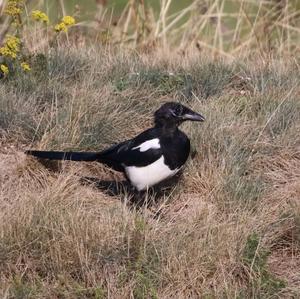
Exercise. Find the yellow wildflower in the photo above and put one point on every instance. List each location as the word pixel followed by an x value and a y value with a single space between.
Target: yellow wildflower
pixel 13 8
pixel 5 51
pixel 25 66
pixel 60 27
pixel 11 47
pixel 68 20
pixel 37 15
pixel 13 43
pixel 4 69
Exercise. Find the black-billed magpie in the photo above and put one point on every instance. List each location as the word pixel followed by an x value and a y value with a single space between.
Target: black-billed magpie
pixel 147 159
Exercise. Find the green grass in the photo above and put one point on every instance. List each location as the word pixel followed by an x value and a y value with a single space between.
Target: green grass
pixel 255 257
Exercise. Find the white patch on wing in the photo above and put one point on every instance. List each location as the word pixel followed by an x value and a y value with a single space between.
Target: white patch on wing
pixel 143 177
pixel 152 143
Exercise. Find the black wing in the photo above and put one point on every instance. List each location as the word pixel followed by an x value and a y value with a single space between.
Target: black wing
pixel 125 154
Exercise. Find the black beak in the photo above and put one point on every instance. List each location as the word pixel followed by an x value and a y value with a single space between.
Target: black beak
pixel 193 116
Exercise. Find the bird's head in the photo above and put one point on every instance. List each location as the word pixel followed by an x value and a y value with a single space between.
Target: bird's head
pixel 173 114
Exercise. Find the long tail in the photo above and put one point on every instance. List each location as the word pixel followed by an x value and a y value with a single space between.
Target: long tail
pixel 72 156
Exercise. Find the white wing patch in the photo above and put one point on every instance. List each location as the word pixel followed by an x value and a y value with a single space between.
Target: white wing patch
pixel 149 144
pixel 143 177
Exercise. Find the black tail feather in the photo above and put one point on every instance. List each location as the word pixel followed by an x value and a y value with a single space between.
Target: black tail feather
pixel 72 156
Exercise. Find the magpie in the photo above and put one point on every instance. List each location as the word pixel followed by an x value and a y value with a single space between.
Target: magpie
pixel 148 159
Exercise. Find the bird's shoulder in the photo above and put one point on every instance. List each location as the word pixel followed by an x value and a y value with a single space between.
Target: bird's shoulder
pixel 139 151
pixel 148 139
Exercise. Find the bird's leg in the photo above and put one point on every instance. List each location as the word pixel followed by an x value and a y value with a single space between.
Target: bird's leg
pixel 138 198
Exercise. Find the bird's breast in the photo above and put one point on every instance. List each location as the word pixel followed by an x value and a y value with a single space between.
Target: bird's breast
pixel 143 177
pixel 175 150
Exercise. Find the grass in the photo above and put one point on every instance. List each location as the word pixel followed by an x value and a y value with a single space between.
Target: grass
pixel 220 28
pixel 230 229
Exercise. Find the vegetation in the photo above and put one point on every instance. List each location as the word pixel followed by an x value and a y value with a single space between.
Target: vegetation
pixel 229 229
pixel 226 28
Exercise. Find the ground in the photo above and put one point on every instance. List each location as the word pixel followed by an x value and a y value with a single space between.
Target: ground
pixel 229 229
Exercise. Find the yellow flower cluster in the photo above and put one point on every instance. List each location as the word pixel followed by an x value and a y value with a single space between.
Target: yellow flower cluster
pixel 63 25
pixel 25 66
pixel 4 69
pixel 13 8
pixel 11 47
pixel 68 20
pixel 37 15
pixel 60 27
pixel 12 44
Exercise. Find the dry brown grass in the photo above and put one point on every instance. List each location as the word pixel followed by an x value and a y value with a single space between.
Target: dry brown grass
pixel 230 229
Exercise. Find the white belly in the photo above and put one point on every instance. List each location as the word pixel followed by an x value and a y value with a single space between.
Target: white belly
pixel 143 177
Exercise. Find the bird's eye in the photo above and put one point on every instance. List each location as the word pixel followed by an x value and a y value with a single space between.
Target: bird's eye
pixel 178 110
